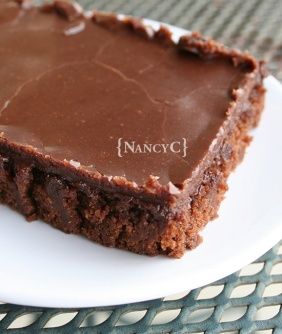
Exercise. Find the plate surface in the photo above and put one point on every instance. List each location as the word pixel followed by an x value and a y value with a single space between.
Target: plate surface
pixel 41 266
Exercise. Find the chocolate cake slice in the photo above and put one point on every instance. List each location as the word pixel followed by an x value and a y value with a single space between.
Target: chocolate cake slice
pixel 111 130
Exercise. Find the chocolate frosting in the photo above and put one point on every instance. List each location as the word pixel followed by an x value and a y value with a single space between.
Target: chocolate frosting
pixel 73 86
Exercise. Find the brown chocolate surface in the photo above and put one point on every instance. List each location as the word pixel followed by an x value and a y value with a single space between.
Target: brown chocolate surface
pixel 72 88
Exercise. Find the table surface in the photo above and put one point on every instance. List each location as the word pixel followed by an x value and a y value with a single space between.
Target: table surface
pixel 249 301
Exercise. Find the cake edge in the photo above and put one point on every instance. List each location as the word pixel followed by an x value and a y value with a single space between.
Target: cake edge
pixel 122 220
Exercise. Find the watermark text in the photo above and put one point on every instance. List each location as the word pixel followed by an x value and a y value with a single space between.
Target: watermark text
pixel 125 147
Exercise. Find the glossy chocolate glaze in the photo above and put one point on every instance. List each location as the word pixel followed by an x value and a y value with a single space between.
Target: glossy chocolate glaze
pixel 71 88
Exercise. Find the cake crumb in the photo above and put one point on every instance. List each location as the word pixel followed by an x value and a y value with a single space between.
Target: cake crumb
pixel 173 189
pixel 74 163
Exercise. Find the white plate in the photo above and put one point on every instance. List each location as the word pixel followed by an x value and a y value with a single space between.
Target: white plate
pixel 44 267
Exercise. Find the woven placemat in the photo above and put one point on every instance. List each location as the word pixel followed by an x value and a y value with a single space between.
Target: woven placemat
pixel 246 302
